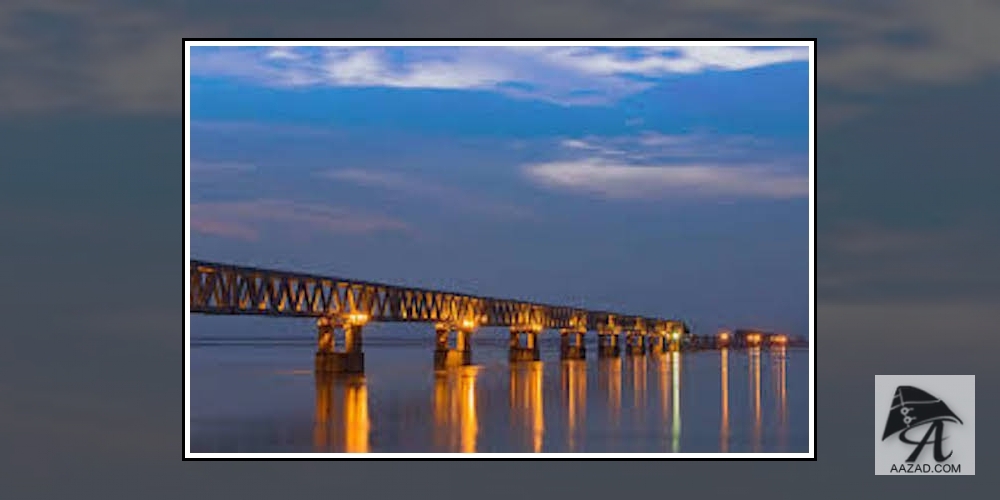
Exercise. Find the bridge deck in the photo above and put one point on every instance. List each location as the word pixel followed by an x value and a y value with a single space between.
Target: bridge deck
pixel 228 289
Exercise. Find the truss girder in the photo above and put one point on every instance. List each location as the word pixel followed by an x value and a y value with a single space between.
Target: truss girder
pixel 227 289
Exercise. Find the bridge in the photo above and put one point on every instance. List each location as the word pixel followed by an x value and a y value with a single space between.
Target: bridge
pixel 342 307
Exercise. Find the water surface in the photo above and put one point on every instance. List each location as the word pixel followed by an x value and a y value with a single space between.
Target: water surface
pixel 253 389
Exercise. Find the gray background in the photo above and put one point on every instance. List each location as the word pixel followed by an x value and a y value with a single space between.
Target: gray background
pixel 958 392
pixel 91 237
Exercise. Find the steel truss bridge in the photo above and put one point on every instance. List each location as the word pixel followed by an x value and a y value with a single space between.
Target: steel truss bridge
pixel 229 289
pixel 343 306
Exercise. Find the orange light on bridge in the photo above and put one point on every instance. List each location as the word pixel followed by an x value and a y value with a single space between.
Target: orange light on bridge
pixel 724 336
pixel 468 324
pixel 357 319
pixel 779 339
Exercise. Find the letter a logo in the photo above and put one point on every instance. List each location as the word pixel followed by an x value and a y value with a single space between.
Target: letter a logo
pixel 912 407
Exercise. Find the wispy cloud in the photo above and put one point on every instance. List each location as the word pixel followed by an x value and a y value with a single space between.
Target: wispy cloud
pixel 569 75
pixel 871 240
pixel 653 165
pixel 865 258
pixel 245 219
pixel 658 61
pixel 620 180
pixel 123 57
pixel 442 193
pixel 369 67
pixel 260 127
pixel 220 172
pixel 282 53
pixel 656 146
pixel 207 166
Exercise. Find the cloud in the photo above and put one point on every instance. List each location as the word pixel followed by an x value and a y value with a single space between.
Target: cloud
pixel 345 67
pixel 931 323
pixel 868 239
pixel 618 180
pixel 653 165
pixel 586 145
pixel 363 67
pixel 698 144
pixel 100 56
pixel 864 260
pixel 659 61
pixel 282 53
pixel 451 196
pixel 115 56
pixel 207 166
pixel 222 173
pixel 244 219
pixel 256 127
pixel 580 75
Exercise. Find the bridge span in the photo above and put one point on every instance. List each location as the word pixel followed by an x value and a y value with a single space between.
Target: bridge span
pixel 343 306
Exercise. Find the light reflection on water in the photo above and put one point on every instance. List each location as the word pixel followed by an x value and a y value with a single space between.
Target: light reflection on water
pixel 526 402
pixel 342 422
pixel 456 424
pixel 261 399
pixel 724 428
pixel 574 397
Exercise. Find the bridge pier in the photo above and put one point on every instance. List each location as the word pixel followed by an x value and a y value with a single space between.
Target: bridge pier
pixel 607 344
pixel 350 359
pixel 722 340
pixel 673 340
pixel 457 353
pixel 657 343
pixel 571 345
pixel 635 342
pixel 524 344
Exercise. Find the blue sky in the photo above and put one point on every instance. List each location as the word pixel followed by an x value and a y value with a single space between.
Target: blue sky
pixel 669 181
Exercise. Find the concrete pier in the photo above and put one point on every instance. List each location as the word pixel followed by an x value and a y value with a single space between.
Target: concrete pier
pixel 332 359
pixel 453 345
pixel 607 345
pixel 524 344
pixel 723 340
pixel 571 345
pixel 657 343
pixel 635 342
pixel 340 362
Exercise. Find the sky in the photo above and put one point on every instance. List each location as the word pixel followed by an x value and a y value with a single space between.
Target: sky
pixel 91 190
pixel 663 181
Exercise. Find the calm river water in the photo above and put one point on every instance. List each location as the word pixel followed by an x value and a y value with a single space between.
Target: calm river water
pixel 253 389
